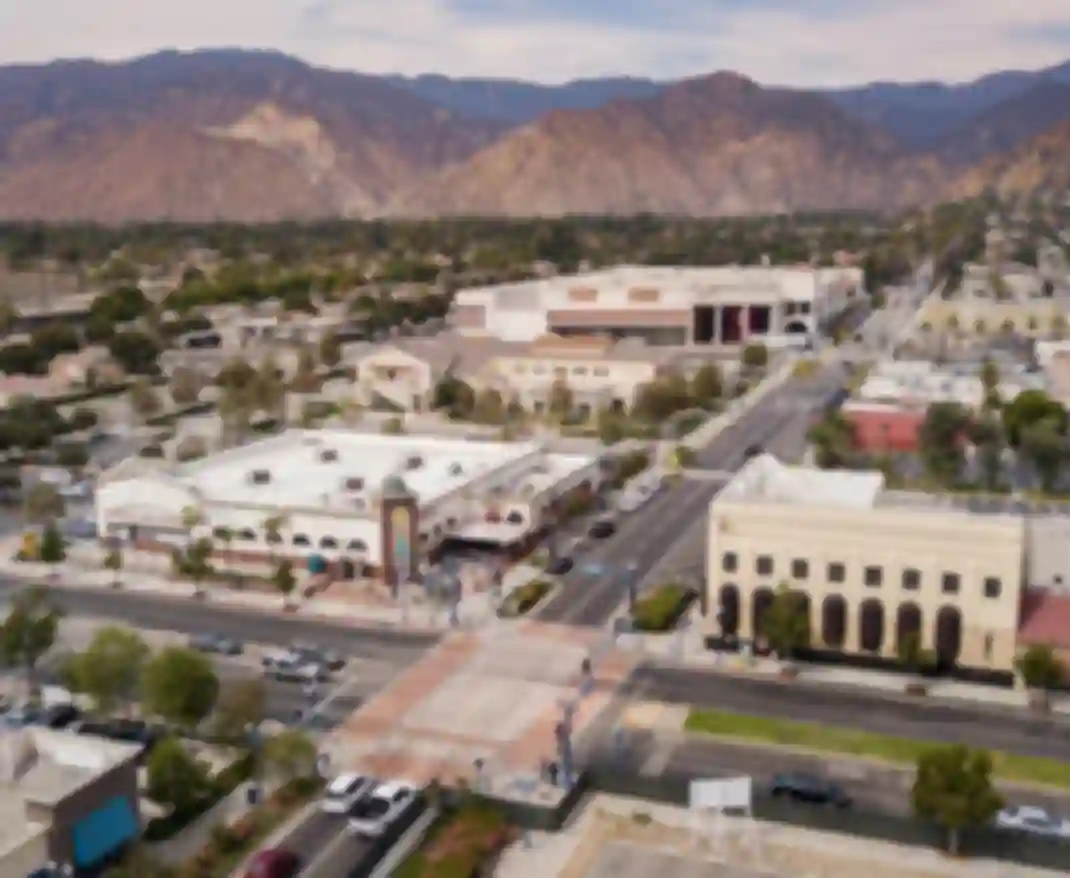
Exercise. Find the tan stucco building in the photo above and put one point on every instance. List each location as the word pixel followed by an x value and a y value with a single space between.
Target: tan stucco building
pixel 875 564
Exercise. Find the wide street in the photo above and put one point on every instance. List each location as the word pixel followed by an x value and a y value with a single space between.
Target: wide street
pixel 594 589
pixel 995 728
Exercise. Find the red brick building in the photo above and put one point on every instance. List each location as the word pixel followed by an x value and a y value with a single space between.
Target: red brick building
pixel 882 428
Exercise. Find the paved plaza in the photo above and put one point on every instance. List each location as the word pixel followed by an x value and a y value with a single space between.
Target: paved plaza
pixel 491 697
pixel 625 860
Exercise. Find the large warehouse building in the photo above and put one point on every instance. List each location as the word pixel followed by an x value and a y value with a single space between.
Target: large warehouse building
pixel 358 504
pixel 875 565
pixel 724 305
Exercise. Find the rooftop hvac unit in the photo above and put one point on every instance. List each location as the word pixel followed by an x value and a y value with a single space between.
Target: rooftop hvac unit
pixel 260 477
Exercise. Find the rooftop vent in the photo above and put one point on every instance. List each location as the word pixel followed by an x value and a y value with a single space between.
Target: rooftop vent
pixel 260 477
pixel 354 483
pixel 414 462
pixel 456 469
pixel 329 455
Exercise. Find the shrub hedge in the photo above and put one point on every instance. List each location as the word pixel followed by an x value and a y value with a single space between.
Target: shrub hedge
pixel 662 608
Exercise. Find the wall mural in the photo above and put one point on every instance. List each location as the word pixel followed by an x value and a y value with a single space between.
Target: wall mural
pixel 401 549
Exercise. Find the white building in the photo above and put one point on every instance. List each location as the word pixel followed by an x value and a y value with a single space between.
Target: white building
pixel 664 306
pixel 352 501
pixel 922 383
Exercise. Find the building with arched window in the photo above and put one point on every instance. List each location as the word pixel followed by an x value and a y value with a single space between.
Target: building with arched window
pixel 876 566
pixel 354 503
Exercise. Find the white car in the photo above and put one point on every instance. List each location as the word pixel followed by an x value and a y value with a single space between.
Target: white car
pixel 344 792
pixel 372 816
pixel 1034 820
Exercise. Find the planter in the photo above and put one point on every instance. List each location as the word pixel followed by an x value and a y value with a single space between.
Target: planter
pixel 917 688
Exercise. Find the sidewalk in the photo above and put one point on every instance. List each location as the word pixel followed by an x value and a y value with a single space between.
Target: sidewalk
pixel 685 648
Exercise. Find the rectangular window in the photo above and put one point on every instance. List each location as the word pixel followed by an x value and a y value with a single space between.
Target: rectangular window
pixel 800 568
pixel 601 371
pixel 873 576
pixel 993 587
pixel 837 572
pixel 763 565
pixel 579 370
pixel 729 562
pixel 949 583
pixel 911 579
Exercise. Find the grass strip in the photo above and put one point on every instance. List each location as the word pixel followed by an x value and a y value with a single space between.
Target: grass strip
pixel 866 745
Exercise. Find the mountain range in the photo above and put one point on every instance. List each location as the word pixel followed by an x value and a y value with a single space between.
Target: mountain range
pixel 259 136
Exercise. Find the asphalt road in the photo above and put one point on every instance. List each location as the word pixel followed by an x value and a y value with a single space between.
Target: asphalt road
pixel 186 616
pixel 1006 729
pixel 644 536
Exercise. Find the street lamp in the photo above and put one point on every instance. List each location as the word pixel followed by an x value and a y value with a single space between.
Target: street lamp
pixel 254 735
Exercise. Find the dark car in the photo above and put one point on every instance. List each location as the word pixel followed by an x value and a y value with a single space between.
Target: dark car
pixel 313 655
pixel 59 716
pixel 809 788
pixel 602 529
pixel 274 863
pixel 560 566
pixel 216 643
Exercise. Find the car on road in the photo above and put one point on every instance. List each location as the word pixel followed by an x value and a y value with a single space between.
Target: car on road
pixel 216 644
pixel 274 863
pixel 602 529
pixel 560 566
pixel 345 791
pixel 60 716
pixel 810 788
pixel 310 654
pixel 1033 820
pixel 297 672
pixel 371 817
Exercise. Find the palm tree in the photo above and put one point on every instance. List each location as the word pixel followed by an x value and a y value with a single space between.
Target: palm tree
pixel 273 528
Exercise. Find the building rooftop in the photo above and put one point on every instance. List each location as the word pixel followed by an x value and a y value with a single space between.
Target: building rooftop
pixel 764 479
pixel 43 767
pixel 310 467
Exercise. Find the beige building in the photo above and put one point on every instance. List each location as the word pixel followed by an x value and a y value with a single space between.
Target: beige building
pixel 599 372
pixel 876 565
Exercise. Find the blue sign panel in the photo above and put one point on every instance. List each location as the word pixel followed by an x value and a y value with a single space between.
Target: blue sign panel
pixel 104 831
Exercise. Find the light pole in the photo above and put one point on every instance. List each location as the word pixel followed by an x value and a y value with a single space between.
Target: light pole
pixel 254 735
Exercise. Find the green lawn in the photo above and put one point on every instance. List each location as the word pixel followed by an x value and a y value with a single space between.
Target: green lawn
pixel 829 739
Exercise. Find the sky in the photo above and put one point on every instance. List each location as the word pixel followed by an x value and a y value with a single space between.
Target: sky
pixel 784 42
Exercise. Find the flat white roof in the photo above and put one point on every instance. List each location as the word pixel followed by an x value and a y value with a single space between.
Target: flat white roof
pixel 764 479
pixel 300 476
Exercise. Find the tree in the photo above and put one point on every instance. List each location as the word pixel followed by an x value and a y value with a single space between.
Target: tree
pixel 144 401
pixel 30 629
pixel 53 548
pixel 175 778
pixel 43 503
pixel 561 399
pixel 330 351
pixel 186 387
pixel 241 705
pixel 707 386
pixel 1041 669
pixel 833 439
pixel 273 526
pixel 109 670
pixel 1028 408
pixel 284 579
pixel 785 624
pixel 755 356
pixel 1044 444
pixel 179 685
pixel 990 382
pixel 953 788
pixel 113 561
pixel 941 438
pixel 290 755
pixel 455 397
pixel 195 562
pixel 489 407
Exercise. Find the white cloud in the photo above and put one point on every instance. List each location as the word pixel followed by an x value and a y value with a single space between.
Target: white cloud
pixel 902 40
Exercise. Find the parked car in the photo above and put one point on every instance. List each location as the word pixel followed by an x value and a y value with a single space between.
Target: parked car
pixel 560 566
pixel 24 715
pixel 60 716
pixel 602 529
pixel 274 863
pixel 809 788
pixel 298 673
pixel 372 816
pixel 217 644
pixel 305 652
pixel 345 791
pixel 1033 820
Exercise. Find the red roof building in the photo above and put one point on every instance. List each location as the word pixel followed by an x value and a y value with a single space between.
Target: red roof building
pixel 884 428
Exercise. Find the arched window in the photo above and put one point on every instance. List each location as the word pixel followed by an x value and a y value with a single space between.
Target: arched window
pixel 514 517
pixel 274 539
pixel 907 625
pixel 728 611
pixel 834 621
pixel 328 543
pixel 246 534
pixel 871 625
pixel 357 546
pixel 948 638
pixel 492 516
pixel 761 601
pixel 301 540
